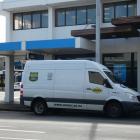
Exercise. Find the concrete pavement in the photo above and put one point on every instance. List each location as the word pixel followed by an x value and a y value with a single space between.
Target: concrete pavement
pixel 84 126
pixel 13 106
pixel 16 96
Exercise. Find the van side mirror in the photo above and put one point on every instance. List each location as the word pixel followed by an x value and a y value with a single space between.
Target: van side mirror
pixel 107 84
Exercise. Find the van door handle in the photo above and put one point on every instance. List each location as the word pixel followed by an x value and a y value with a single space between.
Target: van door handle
pixel 88 89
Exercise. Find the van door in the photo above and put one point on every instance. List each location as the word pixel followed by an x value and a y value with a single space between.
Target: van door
pixel 95 91
pixel 69 89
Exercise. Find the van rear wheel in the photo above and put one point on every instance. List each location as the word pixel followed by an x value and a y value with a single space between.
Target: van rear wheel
pixel 114 110
pixel 39 107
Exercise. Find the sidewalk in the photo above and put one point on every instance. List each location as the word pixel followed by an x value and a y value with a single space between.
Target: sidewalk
pixel 13 106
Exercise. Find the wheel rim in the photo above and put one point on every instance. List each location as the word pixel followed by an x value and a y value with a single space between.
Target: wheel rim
pixel 39 108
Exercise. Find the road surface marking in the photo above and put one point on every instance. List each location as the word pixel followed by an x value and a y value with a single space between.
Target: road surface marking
pixel 6 127
pixel 9 138
pixel 25 131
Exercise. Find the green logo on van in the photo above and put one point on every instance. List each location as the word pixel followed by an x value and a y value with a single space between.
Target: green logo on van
pixel 97 90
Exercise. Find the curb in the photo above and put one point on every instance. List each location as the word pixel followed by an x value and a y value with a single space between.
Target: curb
pixel 14 107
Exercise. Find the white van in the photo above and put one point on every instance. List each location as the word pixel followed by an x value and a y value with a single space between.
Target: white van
pixel 75 84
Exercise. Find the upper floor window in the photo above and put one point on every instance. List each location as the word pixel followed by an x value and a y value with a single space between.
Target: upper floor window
pixel 75 16
pixel 81 15
pixel 36 20
pixel 118 9
pixel 44 19
pixel 70 17
pixel 26 21
pixel 17 21
pixel 30 20
pixel 91 15
pixel 60 17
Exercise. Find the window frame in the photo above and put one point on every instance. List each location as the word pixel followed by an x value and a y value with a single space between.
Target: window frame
pixel 90 7
pixel 14 21
pixel 56 17
pixel 26 13
pixel 30 13
pixel 36 78
pixel 42 12
pixel 92 82
pixel 114 4
pixel 76 9
pixel 77 14
pixel 37 12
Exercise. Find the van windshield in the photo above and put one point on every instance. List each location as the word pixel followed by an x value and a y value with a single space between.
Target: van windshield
pixel 111 76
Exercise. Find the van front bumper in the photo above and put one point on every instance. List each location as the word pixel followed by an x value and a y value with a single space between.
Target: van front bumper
pixel 131 107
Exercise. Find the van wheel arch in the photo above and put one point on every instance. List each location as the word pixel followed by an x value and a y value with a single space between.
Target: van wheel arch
pixel 113 102
pixel 38 99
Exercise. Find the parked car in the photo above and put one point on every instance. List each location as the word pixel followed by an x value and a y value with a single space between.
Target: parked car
pixel 17 86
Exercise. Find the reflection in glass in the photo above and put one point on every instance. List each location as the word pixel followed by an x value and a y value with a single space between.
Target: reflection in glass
pixel 81 15
pixel 91 15
pixel 131 9
pixel 26 21
pixel 17 21
pixel 60 21
pixel 70 17
pixel 44 20
pixel 121 11
pixel 36 20
pixel 108 13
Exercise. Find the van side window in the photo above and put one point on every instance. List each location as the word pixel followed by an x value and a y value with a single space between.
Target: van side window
pixel 96 78
pixel 33 76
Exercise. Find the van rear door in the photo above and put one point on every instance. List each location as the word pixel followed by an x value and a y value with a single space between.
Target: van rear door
pixel 38 83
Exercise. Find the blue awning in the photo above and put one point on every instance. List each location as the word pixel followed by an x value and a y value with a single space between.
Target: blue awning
pixel 10 46
pixel 51 44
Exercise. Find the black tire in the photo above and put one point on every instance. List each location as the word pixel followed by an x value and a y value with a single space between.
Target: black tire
pixel 114 109
pixel 39 107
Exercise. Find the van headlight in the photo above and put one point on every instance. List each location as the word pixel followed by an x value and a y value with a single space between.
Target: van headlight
pixel 133 98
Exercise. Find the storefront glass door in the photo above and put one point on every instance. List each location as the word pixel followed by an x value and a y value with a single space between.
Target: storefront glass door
pixel 124 67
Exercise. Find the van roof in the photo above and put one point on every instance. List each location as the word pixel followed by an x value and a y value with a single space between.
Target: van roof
pixel 59 63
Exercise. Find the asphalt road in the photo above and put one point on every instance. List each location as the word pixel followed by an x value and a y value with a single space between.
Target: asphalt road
pixel 67 126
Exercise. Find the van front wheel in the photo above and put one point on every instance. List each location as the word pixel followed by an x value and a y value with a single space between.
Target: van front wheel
pixel 39 107
pixel 113 110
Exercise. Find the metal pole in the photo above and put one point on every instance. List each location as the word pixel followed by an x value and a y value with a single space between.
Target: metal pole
pixel 98 49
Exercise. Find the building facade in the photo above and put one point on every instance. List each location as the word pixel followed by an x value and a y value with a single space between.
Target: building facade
pixel 41 29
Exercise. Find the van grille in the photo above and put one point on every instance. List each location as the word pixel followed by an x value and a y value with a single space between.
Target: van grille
pixel 138 97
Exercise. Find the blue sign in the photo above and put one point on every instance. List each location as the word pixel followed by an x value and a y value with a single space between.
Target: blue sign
pixel 120 72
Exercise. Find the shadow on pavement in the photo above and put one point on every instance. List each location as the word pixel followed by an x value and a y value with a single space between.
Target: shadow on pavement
pixel 72 116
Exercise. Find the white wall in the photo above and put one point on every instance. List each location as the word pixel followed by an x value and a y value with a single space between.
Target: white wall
pixel 32 34
pixel 65 32
pixel 120 45
pixel 5 27
pixel 44 33
pixel 2 28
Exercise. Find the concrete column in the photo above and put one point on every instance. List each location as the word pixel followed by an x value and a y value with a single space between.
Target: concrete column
pixel 51 24
pixel 138 70
pixel 98 23
pixel 9 79
pixel 138 7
